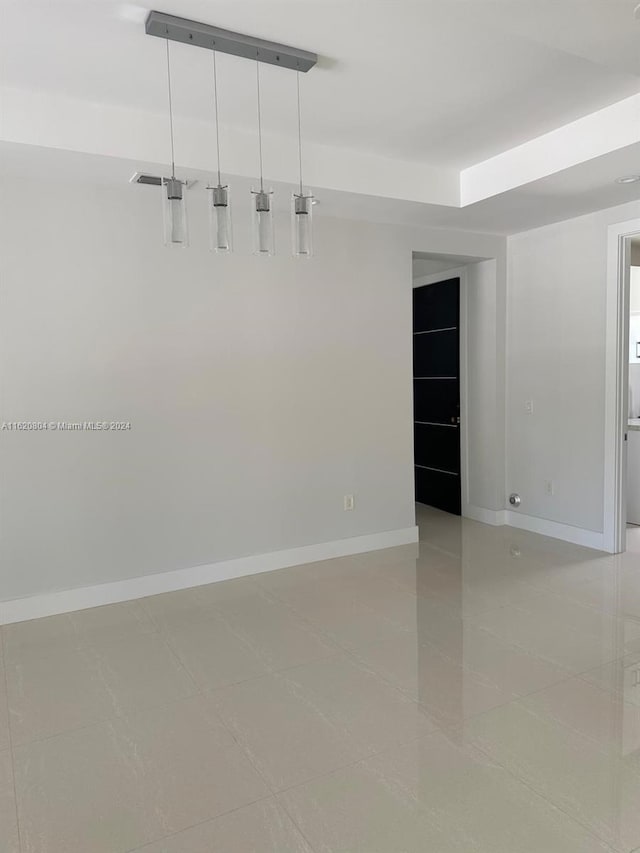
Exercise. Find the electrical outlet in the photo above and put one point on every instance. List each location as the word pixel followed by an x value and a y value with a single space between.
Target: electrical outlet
pixel 549 487
pixel 528 407
pixel 349 503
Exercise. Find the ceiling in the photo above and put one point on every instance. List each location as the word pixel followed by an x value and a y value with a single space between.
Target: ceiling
pixel 448 82
pixel 408 97
pixel 561 196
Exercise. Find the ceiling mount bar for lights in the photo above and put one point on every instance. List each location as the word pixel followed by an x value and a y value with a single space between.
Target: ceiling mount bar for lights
pixel 225 41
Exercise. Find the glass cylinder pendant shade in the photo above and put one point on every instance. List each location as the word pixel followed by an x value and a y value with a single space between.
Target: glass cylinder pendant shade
pixel 219 219
pixel 263 236
pixel 301 216
pixel 174 213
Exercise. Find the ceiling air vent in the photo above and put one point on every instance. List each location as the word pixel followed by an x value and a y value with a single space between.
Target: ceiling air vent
pixel 148 180
pixel 145 178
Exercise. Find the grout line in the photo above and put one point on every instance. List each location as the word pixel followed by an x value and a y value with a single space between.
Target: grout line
pixel 156 841
pixel 367 668
pixel 176 657
pixel 237 740
pixel 111 718
pixel 241 741
pixel 369 757
pixel 550 717
pixel 297 826
pixel 522 781
pixel 86 647
pixel 448 731
pixel 11 751
pixel 354 656
pixel 199 691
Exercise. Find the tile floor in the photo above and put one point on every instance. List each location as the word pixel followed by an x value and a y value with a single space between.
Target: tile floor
pixel 480 694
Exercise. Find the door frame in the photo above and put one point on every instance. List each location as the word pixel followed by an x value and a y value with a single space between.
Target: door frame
pixel 617 383
pixel 434 278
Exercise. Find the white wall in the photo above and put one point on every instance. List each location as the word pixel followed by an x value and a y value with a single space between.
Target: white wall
pixel 260 391
pixel 428 266
pixel 556 345
pixel 485 386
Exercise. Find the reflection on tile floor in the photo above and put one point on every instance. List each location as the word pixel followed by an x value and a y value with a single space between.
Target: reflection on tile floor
pixel 478 694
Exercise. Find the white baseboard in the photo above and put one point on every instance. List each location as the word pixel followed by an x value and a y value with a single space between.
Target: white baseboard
pixel 486 516
pixel 82 598
pixel 576 535
pixel 567 532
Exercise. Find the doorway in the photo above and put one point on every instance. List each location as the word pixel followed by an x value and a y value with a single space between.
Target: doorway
pixel 633 420
pixel 622 238
pixel 436 394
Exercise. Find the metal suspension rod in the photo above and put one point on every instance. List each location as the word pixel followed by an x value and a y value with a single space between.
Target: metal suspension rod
pixel 259 124
pixel 173 155
pixel 299 132
pixel 215 93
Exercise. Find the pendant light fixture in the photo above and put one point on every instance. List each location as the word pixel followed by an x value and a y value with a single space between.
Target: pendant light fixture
pixel 219 197
pixel 174 207
pixel 262 214
pixel 205 36
pixel 301 204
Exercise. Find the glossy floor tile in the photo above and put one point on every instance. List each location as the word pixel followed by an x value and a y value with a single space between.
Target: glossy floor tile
pixel 312 719
pixel 4 706
pixel 621 676
pixel 117 785
pixel 434 794
pixel 262 827
pixel 212 654
pixel 371 712
pixel 478 693
pixel 278 637
pixel 288 739
pixel 8 815
pixel 198 603
pixel 51 692
pixel 584 762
